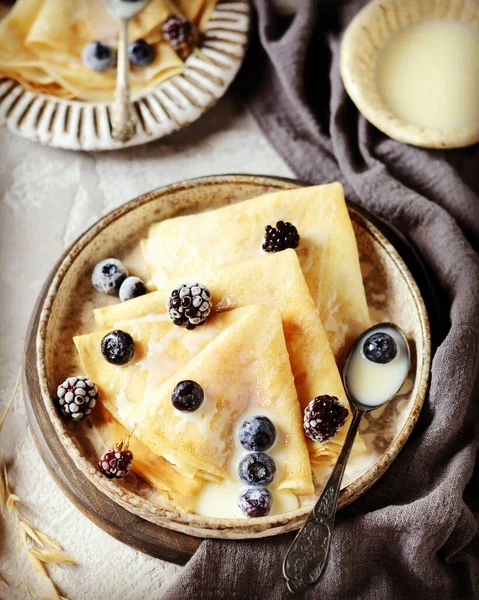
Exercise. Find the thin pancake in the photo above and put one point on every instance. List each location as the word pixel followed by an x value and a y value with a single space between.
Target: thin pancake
pixel 233 234
pixel 44 39
pixel 181 491
pixel 244 369
pixel 274 280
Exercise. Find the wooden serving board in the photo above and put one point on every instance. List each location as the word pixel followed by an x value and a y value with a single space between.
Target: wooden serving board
pixel 119 522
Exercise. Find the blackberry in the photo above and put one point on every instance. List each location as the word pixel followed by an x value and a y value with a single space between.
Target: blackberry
pixel 284 235
pixel 141 53
pixel 77 397
pixel 323 418
pixel 380 348
pixel 115 463
pixel 255 502
pixel 98 56
pixel 256 468
pixel 257 433
pixel 189 305
pixel 108 275
pixel 187 396
pixel 132 287
pixel 118 347
pixel 181 34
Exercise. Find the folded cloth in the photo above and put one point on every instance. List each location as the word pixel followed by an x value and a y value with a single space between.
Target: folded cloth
pixel 412 535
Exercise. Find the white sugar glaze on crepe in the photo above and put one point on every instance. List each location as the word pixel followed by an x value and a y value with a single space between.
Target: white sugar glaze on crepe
pixel 274 280
pixel 177 249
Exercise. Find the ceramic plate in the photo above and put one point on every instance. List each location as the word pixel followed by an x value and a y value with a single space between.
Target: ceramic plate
pixel 170 106
pixel 66 311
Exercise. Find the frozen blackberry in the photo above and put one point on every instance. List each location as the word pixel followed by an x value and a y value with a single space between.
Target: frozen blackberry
pixel 77 397
pixel 257 433
pixel 380 348
pixel 187 396
pixel 132 287
pixel 98 56
pixel 108 275
pixel 189 305
pixel 181 34
pixel 278 238
pixel 255 502
pixel 323 418
pixel 141 53
pixel 257 468
pixel 115 463
pixel 118 347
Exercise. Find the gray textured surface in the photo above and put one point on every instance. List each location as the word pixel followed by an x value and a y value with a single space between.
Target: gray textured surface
pixel 48 197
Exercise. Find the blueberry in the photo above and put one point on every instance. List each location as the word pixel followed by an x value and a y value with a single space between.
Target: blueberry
pixel 256 468
pixel 141 53
pixel 108 275
pixel 255 502
pixel 118 347
pixel 380 348
pixel 257 433
pixel 98 56
pixel 187 396
pixel 132 287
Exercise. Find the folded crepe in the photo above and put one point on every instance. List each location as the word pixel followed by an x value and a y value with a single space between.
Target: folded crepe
pixel 41 43
pixel 240 368
pixel 179 248
pixel 245 370
pixel 274 280
pixel 160 350
pixel 181 491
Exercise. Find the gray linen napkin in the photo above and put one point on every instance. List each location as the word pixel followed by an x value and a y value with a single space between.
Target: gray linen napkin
pixel 414 534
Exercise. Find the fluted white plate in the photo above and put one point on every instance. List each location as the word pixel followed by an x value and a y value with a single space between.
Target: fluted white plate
pixel 76 125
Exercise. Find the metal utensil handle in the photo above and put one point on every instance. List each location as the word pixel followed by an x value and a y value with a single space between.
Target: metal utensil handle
pixel 308 554
pixel 123 123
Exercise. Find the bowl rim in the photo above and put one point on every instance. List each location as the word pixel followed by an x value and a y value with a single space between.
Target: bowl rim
pixel 381 117
pixel 197 524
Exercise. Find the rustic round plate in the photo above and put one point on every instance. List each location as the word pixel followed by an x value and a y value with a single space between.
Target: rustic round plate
pixel 177 102
pixel 64 309
pixel 364 38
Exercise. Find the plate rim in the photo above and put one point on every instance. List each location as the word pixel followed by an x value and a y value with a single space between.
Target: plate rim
pixel 175 519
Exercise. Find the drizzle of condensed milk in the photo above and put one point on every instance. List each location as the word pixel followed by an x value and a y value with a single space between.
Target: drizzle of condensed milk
pixel 221 499
pixel 427 74
pixel 370 383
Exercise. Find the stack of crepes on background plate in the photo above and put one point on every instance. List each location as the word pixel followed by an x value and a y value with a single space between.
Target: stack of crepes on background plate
pixel 281 322
pixel 41 44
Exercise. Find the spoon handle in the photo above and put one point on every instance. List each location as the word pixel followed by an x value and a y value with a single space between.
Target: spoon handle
pixel 308 554
pixel 123 123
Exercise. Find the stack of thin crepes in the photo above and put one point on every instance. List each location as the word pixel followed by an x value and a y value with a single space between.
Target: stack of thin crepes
pixel 281 323
pixel 41 43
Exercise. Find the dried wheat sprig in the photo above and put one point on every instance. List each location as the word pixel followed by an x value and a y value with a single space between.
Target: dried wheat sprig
pixel 41 550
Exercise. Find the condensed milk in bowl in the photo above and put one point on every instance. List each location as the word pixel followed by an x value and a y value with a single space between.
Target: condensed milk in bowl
pixel 412 69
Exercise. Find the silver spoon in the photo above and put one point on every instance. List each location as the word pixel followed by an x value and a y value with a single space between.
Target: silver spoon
pixel 308 554
pixel 123 121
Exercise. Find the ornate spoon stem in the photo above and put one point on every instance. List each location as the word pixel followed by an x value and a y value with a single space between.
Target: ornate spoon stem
pixel 308 554
pixel 124 125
